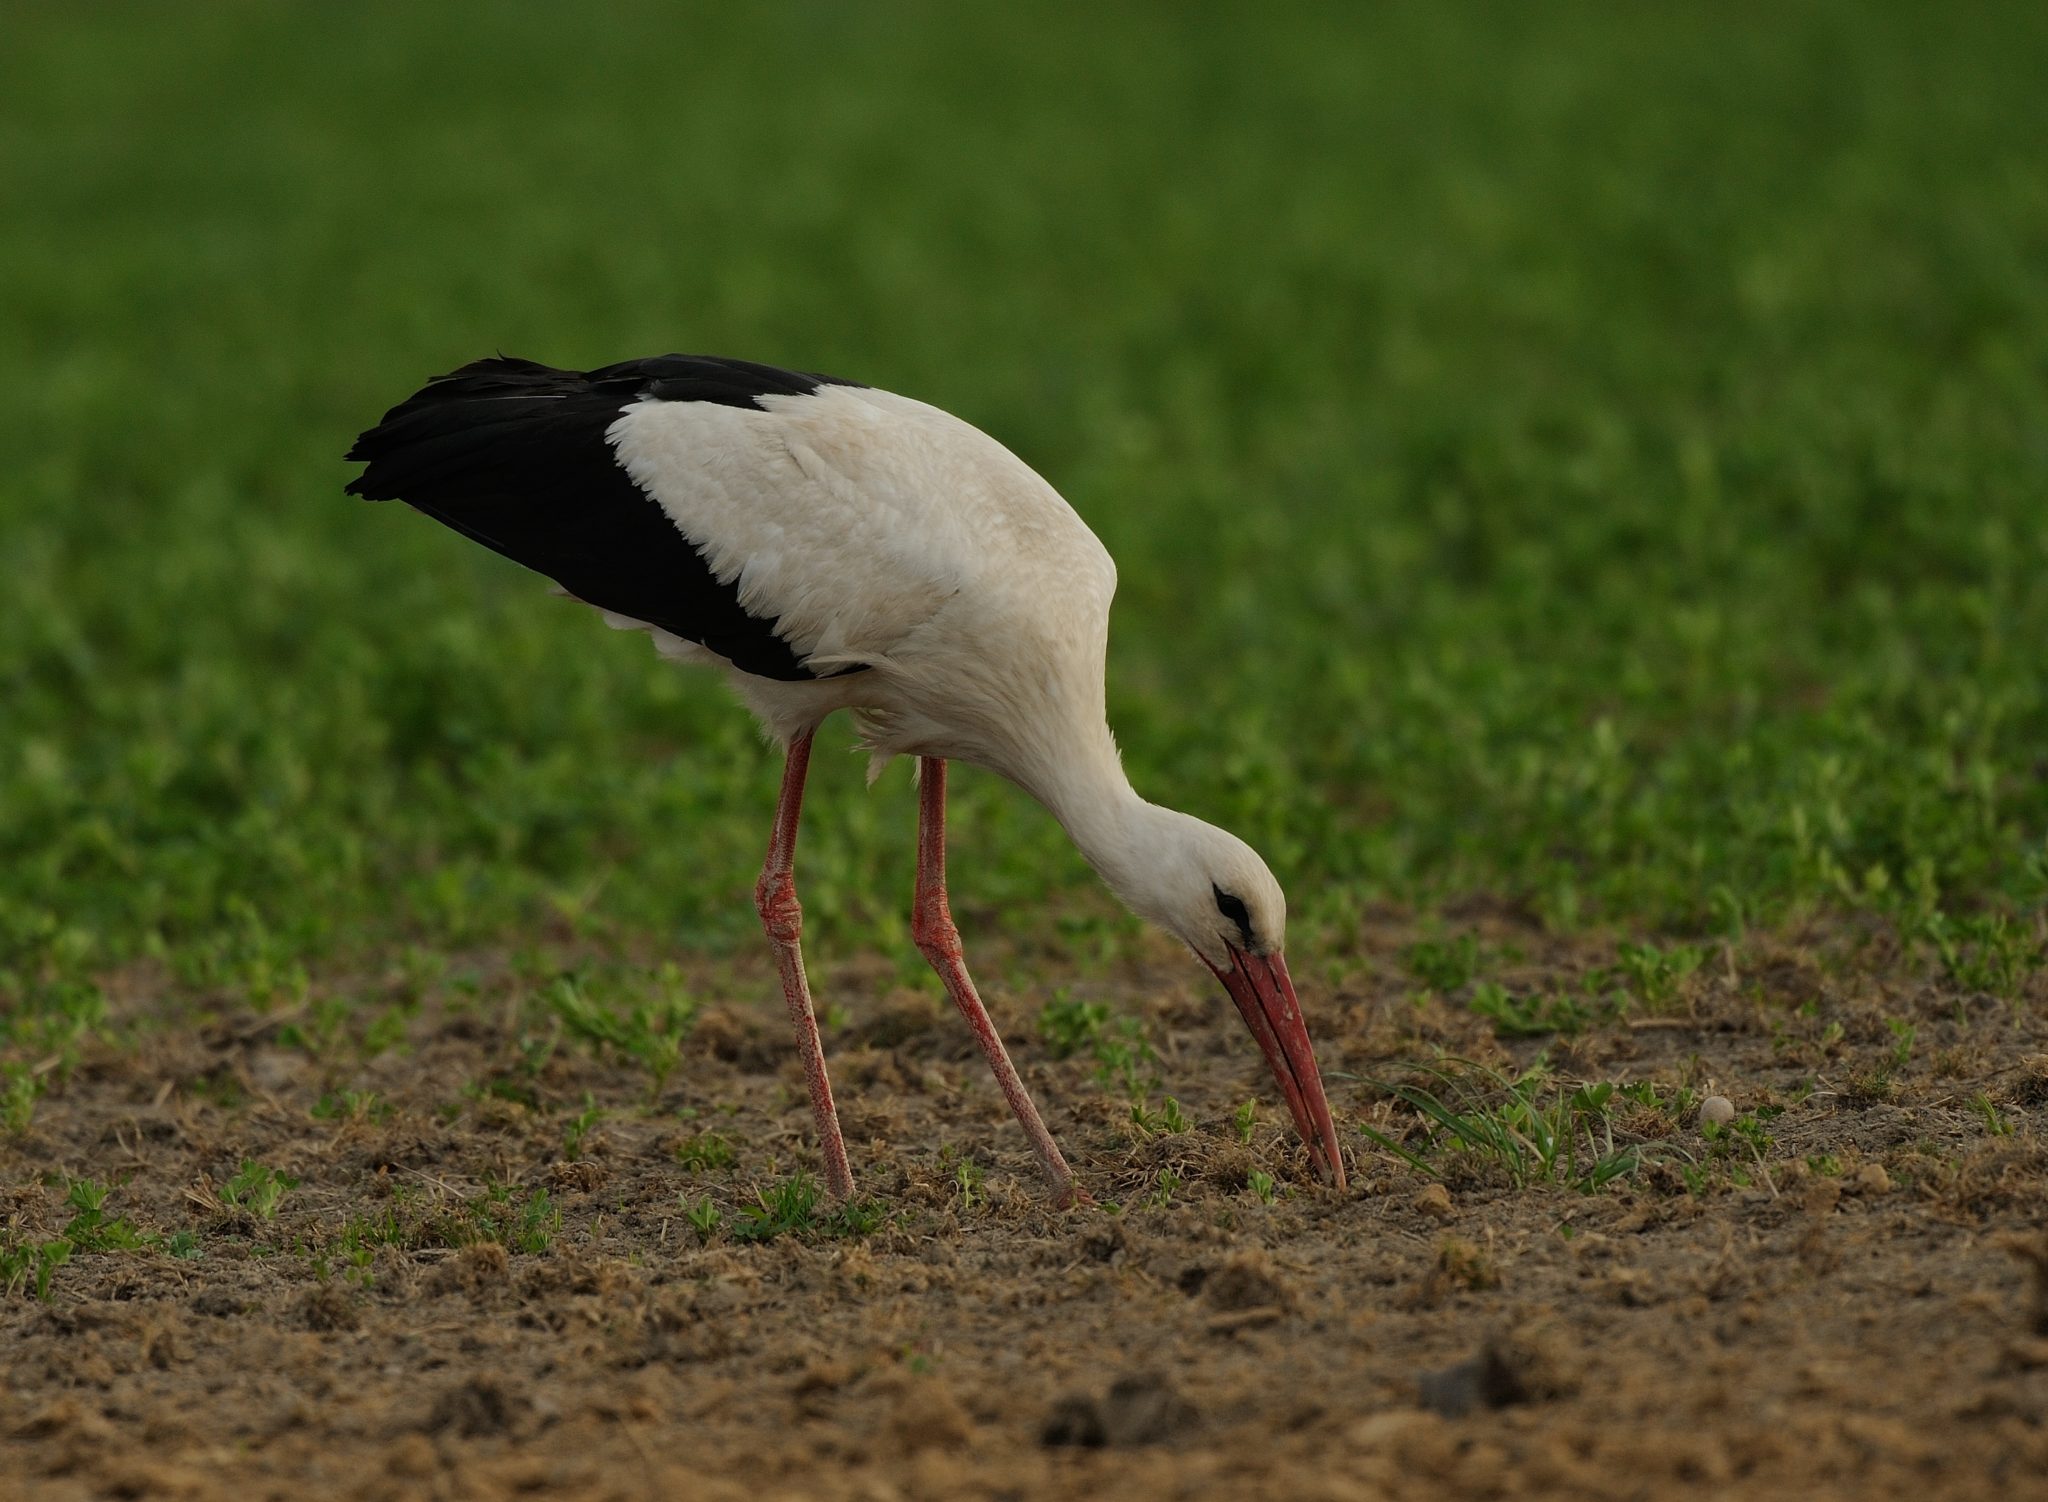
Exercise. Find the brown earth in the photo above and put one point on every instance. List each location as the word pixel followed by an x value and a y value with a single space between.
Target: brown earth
pixel 1866 1316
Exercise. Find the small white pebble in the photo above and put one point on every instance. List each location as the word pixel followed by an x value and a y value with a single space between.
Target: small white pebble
pixel 1718 1109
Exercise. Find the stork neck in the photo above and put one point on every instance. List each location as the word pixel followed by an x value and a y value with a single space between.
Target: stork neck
pixel 1087 791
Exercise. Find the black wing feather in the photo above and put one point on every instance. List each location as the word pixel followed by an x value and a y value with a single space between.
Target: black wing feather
pixel 513 454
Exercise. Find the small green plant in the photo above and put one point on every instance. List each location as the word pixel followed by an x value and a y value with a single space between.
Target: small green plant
pixel 1125 1061
pixel 577 1129
pixel 648 1029
pixel 1067 1024
pixel 1244 1118
pixel 1529 1016
pixel 386 1031
pixel 1168 1118
pixel 184 1245
pixel 1985 952
pixel 706 1152
pixel 1742 1144
pixel 1443 966
pixel 536 1224
pixel 1535 1128
pixel 1261 1185
pixel 18 1091
pixel 90 1229
pixel 1123 1056
pixel 794 1208
pixel 1165 1187
pixel 519 1223
pixel 1995 1121
pixel 788 1208
pixel 535 1049
pixel 704 1219
pixel 218 1086
pixel 1677 1105
pixel 1903 1033
pixel 857 1218
pixel 969 1185
pixel 381 1227
pixel 318 1028
pixel 518 1081
pixel 352 1105
pixel 31 1265
pixel 1654 975
pixel 49 1023
pixel 257 1190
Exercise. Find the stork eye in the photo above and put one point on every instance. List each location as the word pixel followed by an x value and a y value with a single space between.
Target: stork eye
pixel 1233 908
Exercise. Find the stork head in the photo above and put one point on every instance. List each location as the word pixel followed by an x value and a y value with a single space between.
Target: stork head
pixel 1210 889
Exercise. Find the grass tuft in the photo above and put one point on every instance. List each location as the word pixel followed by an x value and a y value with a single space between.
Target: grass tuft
pixel 1532 1128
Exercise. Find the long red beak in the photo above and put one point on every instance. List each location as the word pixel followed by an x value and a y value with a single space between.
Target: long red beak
pixel 1265 998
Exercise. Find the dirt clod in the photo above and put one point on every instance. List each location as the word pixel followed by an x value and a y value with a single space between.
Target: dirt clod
pixel 1145 1408
pixel 1529 1363
pixel 475 1266
pixel 1821 1197
pixel 2033 1250
pixel 928 1417
pixel 742 1040
pixel 218 1303
pixel 1074 1420
pixel 327 1306
pixel 1396 1429
pixel 479 1406
pixel 578 1177
pixel 1106 1241
pixel 66 1416
pixel 1247 1280
pixel 1140 1408
pixel 1460 1264
pixel 2029 1086
pixel 1433 1201
pixel 411 1456
pixel 1476 1382
pixel 901 1020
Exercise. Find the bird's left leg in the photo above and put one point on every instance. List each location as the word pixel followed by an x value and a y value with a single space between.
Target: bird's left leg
pixel 783 918
pixel 931 926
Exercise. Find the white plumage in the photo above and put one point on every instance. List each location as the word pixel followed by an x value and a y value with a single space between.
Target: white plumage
pixel 837 547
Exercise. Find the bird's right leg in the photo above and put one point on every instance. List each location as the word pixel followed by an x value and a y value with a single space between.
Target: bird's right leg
pixel 783 918
pixel 933 930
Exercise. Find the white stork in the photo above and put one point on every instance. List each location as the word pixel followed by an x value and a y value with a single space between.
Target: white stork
pixel 837 547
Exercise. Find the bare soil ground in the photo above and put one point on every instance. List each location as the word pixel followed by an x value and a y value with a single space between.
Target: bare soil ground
pixel 1866 1316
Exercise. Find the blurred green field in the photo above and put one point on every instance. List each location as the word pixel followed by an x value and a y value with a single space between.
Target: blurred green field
pixel 1591 458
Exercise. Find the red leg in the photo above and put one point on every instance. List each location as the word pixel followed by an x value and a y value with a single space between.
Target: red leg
pixel 931 925
pixel 783 918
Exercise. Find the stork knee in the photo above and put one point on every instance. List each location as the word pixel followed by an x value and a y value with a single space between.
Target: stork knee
pixel 932 930
pixel 781 914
